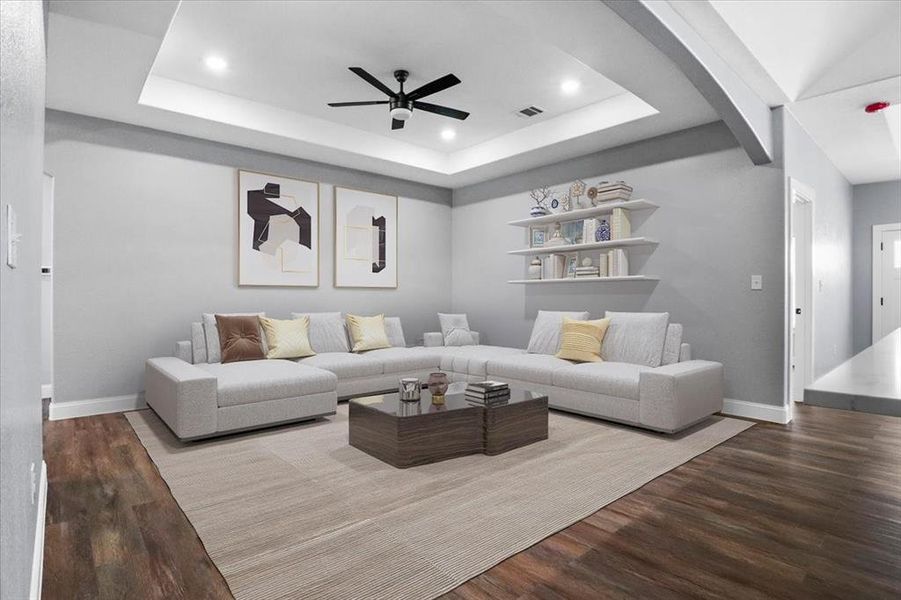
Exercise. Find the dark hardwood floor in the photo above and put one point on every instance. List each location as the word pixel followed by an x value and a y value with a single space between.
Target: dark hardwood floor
pixel 809 510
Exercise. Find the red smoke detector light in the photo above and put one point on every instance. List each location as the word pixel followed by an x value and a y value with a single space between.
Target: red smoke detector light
pixel 876 107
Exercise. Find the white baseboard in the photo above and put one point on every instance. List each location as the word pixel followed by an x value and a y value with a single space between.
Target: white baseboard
pixel 755 410
pixel 95 406
pixel 37 559
pixel 46 391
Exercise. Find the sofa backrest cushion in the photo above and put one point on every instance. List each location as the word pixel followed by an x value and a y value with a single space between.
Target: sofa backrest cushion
pixel 545 337
pixel 455 329
pixel 635 338
pixel 672 345
pixel 211 332
pixel 328 333
pixel 198 344
pixel 395 332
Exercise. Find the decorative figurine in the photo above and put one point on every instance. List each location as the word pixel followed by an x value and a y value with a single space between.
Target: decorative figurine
pixel 540 196
pixel 575 191
pixel 603 232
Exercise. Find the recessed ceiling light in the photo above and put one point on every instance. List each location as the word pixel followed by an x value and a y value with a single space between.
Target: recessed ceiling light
pixel 214 63
pixel 570 86
pixel 448 134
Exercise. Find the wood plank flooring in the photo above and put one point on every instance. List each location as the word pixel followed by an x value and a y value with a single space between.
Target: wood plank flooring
pixel 808 510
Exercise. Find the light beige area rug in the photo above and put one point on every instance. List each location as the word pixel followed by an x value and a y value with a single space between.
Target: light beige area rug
pixel 295 512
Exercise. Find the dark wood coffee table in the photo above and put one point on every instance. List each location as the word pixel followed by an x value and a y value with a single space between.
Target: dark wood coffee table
pixel 405 434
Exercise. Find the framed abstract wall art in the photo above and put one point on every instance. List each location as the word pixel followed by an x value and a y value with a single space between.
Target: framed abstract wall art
pixel 278 230
pixel 365 239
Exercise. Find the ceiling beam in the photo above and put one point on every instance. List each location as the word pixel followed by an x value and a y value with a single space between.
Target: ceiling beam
pixel 743 111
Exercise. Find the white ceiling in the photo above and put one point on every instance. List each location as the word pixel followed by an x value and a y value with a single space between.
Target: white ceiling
pixel 825 60
pixel 126 61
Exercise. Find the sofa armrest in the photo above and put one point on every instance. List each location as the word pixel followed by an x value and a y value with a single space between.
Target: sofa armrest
pixel 431 339
pixel 475 337
pixel 676 396
pixel 183 396
pixel 184 351
pixel 684 352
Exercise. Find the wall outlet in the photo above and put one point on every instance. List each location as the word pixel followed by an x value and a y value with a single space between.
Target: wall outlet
pixel 756 282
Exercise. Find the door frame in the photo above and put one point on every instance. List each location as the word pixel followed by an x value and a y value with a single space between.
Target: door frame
pixel 876 283
pixel 800 193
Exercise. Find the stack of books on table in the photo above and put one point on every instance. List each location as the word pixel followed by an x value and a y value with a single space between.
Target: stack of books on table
pixel 488 392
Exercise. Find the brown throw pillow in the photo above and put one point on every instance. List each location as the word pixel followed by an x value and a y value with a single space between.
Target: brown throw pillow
pixel 239 338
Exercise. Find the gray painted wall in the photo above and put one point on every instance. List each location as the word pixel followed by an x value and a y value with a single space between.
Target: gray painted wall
pixel 146 228
pixel 806 162
pixel 21 148
pixel 874 204
pixel 720 220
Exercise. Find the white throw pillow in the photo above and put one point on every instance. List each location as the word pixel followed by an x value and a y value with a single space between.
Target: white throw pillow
pixel 395 332
pixel 635 338
pixel 328 333
pixel 546 331
pixel 455 329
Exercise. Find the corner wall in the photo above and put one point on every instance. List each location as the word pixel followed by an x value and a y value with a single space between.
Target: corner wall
pixel 874 204
pixel 721 219
pixel 22 71
pixel 803 160
pixel 146 228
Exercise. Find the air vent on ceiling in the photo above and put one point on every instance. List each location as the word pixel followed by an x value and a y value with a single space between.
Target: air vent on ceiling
pixel 530 111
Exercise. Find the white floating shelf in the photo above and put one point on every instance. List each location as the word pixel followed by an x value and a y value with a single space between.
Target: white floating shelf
pixel 587 279
pixel 605 208
pixel 635 241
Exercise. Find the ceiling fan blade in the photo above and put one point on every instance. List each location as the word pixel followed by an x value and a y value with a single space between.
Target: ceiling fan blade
pixel 442 83
pixel 397 124
pixel 372 80
pixel 367 103
pixel 441 110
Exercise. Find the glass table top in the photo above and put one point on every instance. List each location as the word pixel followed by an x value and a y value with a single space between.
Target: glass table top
pixel 454 399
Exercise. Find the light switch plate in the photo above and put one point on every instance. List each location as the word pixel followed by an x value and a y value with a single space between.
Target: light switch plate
pixel 756 282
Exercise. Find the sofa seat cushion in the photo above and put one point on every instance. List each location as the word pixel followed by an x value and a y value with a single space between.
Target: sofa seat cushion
pixel 537 368
pixel 344 364
pixel 252 381
pixel 472 360
pixel 608 378
pixel 403 360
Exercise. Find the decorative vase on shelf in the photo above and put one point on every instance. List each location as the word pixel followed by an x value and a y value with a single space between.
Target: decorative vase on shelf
pixel 535 268
pixel 603 232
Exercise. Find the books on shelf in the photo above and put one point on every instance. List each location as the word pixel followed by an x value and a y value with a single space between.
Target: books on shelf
pixel 553 266
pixel 589 226
pixel 617 263
pixel 620 228
pixel 614 191
pixel 587 272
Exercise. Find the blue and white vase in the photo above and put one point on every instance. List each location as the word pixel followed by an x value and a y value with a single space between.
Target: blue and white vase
pixel 602 234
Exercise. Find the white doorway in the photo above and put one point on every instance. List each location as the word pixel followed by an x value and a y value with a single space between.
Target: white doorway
pixel 886 279
pixel 47 289
pixel 800 289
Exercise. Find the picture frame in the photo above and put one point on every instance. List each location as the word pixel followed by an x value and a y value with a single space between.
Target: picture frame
pixel 365 239
pixel 537 237
pixel 278 230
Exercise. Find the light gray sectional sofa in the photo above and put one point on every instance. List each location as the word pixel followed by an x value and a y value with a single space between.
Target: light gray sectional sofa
pixel 198 397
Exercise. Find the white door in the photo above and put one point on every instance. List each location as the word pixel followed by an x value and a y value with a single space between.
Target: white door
pixel 47 290
pixel 886 280
pixel 801 290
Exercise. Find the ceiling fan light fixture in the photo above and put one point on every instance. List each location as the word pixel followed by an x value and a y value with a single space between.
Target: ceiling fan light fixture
pixel 401 113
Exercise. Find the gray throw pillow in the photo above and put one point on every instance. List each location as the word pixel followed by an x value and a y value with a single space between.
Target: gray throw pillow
pixel 635 338
pixel 395 332
pixel 328 332
pixel 211 331
pixel 546 331
pixel 455 329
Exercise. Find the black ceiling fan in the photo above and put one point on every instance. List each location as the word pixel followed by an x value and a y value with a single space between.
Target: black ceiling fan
pixel 402 103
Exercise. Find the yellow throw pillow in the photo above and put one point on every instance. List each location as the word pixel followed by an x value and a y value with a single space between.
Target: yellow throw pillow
pixel 367 333
pixel 581 340
pixel 287 338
